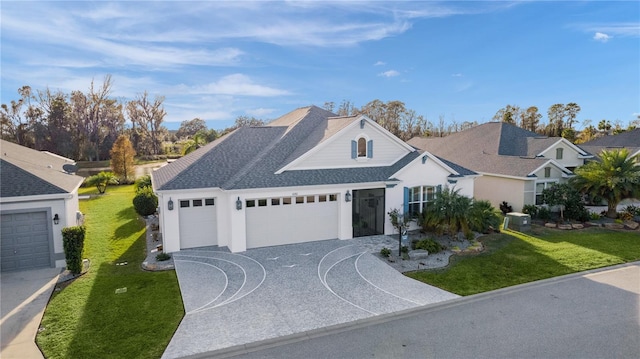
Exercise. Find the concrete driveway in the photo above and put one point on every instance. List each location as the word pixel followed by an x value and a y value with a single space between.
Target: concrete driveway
pixel 235 299
pixel 24 296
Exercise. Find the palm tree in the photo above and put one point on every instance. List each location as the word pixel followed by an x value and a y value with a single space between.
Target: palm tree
pixel 198 140
pixel 102 180
pixel 483 216
pixel 449 210
pixel 615 177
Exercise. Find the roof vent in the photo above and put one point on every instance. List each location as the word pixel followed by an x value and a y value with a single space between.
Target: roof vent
pixel 69 168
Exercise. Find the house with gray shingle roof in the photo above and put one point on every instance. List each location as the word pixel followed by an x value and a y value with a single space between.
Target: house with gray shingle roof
pixel 308 175
pixel 38 197
pixel 516 165
pixel 628 139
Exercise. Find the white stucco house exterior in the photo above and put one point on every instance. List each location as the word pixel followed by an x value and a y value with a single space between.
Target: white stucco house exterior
pixel 515 165
pixel 308 175
pixel 38 197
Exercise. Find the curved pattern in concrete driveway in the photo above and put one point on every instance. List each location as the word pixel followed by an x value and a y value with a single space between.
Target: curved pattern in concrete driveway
pixel 235 299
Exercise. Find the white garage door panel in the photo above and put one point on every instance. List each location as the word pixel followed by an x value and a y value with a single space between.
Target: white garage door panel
pixel 293 223
pixel 25 241
pixel 198 227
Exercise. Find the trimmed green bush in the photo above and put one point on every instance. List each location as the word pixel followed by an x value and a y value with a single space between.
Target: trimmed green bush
pixel 73 243
pixel 385 252
pixel 531 209
pixel 145 202
pixel 429 245
pixel 163 257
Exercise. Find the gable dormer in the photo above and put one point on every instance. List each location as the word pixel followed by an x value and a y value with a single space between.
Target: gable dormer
pixel 565 153
pixel 359 143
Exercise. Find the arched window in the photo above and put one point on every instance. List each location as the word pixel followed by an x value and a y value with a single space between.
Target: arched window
pixel 362 147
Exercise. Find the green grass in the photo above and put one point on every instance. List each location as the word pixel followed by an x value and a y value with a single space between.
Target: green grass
pixel 513 258
pixel 87 319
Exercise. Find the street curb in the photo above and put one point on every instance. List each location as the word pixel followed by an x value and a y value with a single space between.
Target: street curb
pixel 383 318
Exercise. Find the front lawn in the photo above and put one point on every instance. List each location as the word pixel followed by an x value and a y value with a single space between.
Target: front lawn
pixel 513 258
pixel 86 318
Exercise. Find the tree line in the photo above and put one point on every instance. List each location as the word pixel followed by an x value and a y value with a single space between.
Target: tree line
pixel 405 123
pixel 84 125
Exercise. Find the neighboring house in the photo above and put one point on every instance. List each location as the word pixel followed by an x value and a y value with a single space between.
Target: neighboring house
pixel 628 139
pixel 38 197
pixel 308 175
pixel 516 165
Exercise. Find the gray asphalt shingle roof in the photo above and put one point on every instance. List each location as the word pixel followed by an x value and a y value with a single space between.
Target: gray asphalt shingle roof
pixel 250 157
pixel 628 139
pixel 493 147
pixel 27 172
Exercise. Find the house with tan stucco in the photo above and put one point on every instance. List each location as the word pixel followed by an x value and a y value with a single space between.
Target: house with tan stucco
pixel 515 165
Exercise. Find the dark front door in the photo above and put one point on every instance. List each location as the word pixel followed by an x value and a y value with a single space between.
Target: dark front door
pixel 368 212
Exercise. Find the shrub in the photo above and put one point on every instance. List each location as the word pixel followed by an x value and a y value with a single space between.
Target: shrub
pixel 163 257
pixel 544 213
pixel 145 202
pixel 625 216
pixel 633 210
pixel 482 217
pixel 594 216
pixel 385 252
pixel 143 182
pixel 505 208
pixel 404 249
pixel 73 243
pixel 429 245
pixel 530 209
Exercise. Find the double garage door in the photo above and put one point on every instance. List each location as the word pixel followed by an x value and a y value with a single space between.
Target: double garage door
pixel 285 220
pixel 25 241
pixel 198 223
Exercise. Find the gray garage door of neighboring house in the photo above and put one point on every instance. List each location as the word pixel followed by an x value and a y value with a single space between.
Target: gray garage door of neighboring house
pixel 26 241
pixel 198 222
pixel 286 220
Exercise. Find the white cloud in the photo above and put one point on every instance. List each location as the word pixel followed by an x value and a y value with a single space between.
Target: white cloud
pixel 238 85
pixel 390 73
pixel 602 37
pixel 456 75
pixel 260 112
pixel 379 63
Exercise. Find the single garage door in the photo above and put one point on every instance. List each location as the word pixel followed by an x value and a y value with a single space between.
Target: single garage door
pixel 25 241
pixel 198 223
pixel 286 220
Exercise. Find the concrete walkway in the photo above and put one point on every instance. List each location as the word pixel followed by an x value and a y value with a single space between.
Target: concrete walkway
pixel 237 299
pixel 24 296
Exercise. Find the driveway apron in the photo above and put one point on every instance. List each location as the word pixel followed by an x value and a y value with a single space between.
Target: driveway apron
pixel 234 299
pixel 24 295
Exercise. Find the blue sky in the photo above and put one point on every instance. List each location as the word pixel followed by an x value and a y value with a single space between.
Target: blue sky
pixel 220 60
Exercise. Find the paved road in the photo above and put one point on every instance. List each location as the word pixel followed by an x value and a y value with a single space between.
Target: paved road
pixel 590 315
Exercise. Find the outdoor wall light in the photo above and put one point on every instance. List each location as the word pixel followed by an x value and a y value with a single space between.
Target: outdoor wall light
pixel 170 204
pixel 56 219
pixel 238 204
pixel 347 196
pixel 362 123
